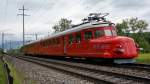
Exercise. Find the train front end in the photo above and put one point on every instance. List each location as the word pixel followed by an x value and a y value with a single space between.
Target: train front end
pixel 124 47
pixel 125 50
pixel 107 44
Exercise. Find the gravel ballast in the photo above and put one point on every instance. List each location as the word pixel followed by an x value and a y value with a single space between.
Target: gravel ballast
pixel 43 75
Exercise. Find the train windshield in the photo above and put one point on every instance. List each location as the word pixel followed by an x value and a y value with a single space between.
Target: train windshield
pixel 106 32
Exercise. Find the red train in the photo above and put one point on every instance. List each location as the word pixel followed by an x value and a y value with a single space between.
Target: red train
pixel 94 38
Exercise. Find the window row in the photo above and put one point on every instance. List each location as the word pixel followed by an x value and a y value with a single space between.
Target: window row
pixel 77 38
pixel 89 35
pixel 51 42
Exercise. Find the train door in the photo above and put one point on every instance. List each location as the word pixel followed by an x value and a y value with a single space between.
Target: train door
pixel 70 44
pixel 78 44
pixel 87 36
pixel 75 44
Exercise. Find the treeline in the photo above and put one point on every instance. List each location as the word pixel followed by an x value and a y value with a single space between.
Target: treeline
pixel 62 25
pixel 136 29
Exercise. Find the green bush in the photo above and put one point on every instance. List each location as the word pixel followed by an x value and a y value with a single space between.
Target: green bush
pixel 143 43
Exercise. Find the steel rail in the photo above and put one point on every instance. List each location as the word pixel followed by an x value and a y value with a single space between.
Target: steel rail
pixel 145 67
pixel 128 77
pixel 84 76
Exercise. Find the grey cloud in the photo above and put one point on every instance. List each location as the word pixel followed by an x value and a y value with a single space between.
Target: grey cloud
pixel 130 4
pixel 50 11
pixel 146 14
pixel 92 2
pixel 38 4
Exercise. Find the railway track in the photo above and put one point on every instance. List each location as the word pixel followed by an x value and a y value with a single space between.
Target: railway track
pixel 145 67
pixel 89 73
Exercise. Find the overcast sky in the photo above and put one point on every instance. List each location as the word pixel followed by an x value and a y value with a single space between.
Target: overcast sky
pixel 45 13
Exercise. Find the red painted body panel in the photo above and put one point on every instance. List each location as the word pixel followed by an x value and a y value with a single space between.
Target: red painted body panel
pixel 103 47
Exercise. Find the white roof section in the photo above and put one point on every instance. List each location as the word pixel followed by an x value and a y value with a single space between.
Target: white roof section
pixel 76 29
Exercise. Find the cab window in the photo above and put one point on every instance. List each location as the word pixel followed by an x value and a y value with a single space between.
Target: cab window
pixel 71 39
pixel 108 32
pixel 87 35
pixel 78 37
pixel 99 33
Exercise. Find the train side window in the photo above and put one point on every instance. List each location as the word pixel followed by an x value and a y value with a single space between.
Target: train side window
pixel 46 43
pixel 55 41
pixel 71 39
pixel 51 42
pixel 87 35
pixel 78 37
pixel 108 32
pixel 58 42
pixel 98 33
pixel 43 43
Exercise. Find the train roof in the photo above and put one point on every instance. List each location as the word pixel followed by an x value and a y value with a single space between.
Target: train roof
pixel 76 29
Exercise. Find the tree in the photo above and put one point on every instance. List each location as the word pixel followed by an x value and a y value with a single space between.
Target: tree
pixel 143 43
pixel 138 25
pixel 56 28
pixel 123 28
pixel 133 24
pixel 119 29
pixel 142 25
pixel 62 25
pixel 134 28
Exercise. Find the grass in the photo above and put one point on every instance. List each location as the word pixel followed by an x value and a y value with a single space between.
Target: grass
pixel 18 76
pixel 144 58
pixel 3 77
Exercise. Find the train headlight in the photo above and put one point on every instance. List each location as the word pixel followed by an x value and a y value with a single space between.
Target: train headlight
pixel 119 49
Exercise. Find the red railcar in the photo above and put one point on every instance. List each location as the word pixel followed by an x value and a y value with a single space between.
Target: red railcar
pixel 95 38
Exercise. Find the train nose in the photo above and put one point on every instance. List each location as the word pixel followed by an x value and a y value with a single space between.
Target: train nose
pixel 126 48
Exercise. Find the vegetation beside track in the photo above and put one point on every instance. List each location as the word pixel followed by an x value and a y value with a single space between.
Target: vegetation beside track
pixel 144 58
pixel 3 76
pixel 17 76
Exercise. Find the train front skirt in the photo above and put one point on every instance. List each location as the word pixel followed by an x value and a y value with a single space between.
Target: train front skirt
pixel 124 61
